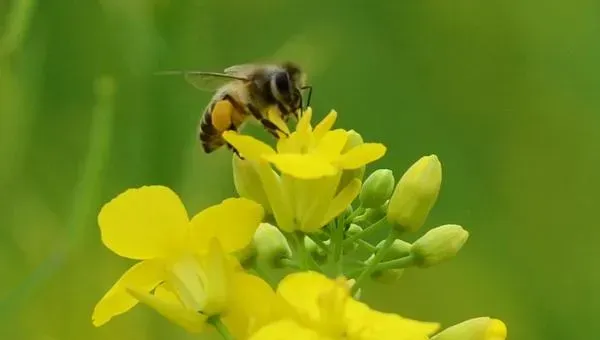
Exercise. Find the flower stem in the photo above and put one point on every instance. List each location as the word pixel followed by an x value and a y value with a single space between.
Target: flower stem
pixel 305 259
pixel 337 240
pixel 289 263
pixel 403 262
pixel 368 246
pixel 382 223
pixel 215 320
pixel 368 270
pixel 353 214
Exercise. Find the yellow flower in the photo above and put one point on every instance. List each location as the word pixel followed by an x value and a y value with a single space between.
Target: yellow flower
pixel 305 196
pixel 187 273
pixel 320 308
pixel 482 328
pixel 309 153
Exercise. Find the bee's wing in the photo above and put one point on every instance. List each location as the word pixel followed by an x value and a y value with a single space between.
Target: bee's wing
pixel 205 81
pixel 242 70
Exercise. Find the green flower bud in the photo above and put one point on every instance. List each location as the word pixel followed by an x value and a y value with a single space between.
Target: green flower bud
pixel 483 328
pixel 377 188
pixel 317 253
pixel 247 182
pixel 398 250
pixel 353 229
pixel 415 194
pixel 439 244
pixel 354 139
pixel 271 246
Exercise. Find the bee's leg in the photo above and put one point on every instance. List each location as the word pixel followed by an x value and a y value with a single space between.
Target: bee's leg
pixel 269 125
pixel 231 147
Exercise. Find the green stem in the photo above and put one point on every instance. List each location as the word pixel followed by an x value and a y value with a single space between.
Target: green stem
pixel 382 223
pixel 220 327
pixel 368 270
pixel 400 263
pixel 353 214
pixel 368 246
pixel 305 259
pixel 337 239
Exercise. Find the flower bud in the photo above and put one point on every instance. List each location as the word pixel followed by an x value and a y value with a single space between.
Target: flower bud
pixel 439 244
pixel 354 140
pixel 248 183
pixel 317 253
pixel 377 188
pixel 352 230
pixel 398 250
pixel 483 328
pixel 271 245
pixel 415 194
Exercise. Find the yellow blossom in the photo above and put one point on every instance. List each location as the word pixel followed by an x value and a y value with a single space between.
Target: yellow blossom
pixel 482 328
pixel 186 272
pixel 309 153
pixel 305 195
pixel 321 308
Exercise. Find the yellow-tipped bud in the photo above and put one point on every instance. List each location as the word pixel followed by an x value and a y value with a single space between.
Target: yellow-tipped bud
pixel 354 140
pixel 377 188
pixel 483 328
pixel 399 249
pixel 248 183
pixel 439 244
pixel 415 194
pixel 270 244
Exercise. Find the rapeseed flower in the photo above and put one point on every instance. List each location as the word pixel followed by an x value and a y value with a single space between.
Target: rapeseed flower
pixel 186 272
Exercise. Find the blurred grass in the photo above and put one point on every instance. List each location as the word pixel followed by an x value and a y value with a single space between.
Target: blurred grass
pixel 504 92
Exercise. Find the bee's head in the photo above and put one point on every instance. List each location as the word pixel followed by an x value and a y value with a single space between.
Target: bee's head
pixel 286 85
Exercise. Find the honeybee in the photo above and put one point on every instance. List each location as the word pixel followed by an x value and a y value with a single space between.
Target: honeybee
pixel 244 92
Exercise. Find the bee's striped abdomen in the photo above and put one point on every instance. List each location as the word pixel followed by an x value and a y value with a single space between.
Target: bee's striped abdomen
pixel 209 136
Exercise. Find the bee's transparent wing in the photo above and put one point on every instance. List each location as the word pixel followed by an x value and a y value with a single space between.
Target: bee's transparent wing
pixel 205 81
pixel 242 70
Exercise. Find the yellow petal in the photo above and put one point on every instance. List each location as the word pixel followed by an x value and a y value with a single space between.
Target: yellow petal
pixel 233 223
pixel 274 115
pixel 287 330
pixel 216 273
pixel 342 200
pixel 361 155
pixel 175 312
pixel 253 305
pixel 302 292
pixel 278 201
pixel 247 146
pixel 143 276
pixel 304 122
pixel 149 222
pixel 307 166
pixel 332 143
pixel 325 125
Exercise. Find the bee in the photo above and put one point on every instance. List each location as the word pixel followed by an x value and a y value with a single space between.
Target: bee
pixel 247 92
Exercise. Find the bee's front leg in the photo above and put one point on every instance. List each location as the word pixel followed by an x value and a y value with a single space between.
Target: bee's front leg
pixel 267 124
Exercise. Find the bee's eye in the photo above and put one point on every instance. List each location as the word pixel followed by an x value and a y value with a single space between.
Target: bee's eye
pixel 282 83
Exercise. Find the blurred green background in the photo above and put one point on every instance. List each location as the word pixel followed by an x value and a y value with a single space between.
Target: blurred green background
pixel 505 92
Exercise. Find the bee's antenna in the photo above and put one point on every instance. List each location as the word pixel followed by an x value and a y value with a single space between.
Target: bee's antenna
pixel 309 88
